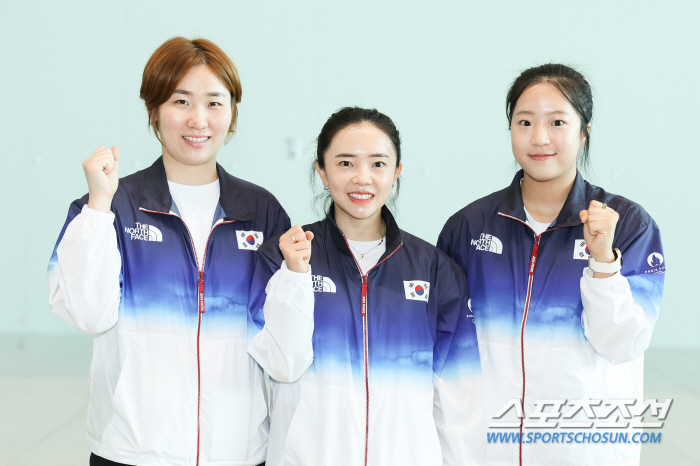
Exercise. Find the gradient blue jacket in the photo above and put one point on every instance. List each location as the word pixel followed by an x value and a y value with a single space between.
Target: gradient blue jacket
pixel 387 348
pixel 170 381
pixel 546 328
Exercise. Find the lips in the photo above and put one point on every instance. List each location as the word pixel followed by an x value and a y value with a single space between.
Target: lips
pixel 196 141
pixel 541 156
pixel 361 198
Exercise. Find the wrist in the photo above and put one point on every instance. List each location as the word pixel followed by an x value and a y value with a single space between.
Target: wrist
pixel 302 268
pixel 607 257
pixel 605 267
pixel 100 203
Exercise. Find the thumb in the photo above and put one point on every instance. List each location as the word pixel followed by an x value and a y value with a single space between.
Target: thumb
pixel 115 153
pixel 584 216
pixel 309 235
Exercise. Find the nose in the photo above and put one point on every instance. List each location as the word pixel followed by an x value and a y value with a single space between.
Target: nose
pixel 198 119
pixel 540 135
pixel 362 177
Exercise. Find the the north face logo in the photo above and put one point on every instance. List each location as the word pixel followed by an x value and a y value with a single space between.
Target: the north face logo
pixel 489 243
pixel 144 232
pixel 322 284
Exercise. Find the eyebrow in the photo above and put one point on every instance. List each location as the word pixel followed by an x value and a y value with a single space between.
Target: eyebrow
pixel 555 112
pixel 353 155
pixel 209 94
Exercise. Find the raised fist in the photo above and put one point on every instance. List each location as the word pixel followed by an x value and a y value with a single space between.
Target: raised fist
pixel 102 174
pixel 599 230
pixel 295 245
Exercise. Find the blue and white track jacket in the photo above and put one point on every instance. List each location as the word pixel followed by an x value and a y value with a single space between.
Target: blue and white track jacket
pixel 171 382
pixel 546 328
pixel 395 369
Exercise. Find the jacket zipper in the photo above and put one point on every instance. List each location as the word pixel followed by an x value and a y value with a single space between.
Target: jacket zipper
pixel 200 307
pixel 531 277
pixel 365 337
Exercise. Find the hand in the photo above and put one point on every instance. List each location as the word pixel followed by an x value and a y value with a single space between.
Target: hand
pixel 296 254
pixel 102 174
pixel 599 231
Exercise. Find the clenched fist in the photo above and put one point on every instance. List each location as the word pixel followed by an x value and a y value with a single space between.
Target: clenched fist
pixel 102 174
pixel 599 230
pixel 295 245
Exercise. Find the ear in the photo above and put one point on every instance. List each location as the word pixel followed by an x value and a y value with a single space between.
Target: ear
pixel 583 138
pixel 321 173
pixel 398 172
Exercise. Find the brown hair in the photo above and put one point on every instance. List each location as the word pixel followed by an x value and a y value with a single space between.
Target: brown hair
pixel 172 61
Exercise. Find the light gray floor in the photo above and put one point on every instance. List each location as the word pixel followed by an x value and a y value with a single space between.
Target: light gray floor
pixel 43 400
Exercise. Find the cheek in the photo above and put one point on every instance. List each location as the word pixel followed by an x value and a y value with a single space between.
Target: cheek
pixel 570 142
pixel 169 121
pixel 223 121
pixel 336 180
pixel 519 143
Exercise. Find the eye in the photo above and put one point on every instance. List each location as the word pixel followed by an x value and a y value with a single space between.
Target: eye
pixel 378 164
pixel 524 123
pixel 215 104
pixel 181 102
pixel 558 123
pixel 345 163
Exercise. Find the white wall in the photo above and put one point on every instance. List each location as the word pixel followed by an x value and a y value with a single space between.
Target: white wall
pixel 71 75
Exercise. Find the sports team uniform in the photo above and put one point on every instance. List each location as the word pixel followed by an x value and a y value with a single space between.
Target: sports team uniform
pixel 376 368
pixel 547 329
pixel 171 382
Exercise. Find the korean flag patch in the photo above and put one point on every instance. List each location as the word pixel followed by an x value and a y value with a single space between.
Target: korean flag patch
pixel 581 250
pixel 250 240
pixel 417 290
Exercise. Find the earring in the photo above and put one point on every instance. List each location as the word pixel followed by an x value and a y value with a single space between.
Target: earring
pixel 325 188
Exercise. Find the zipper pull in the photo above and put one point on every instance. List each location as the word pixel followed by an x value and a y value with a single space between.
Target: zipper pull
pixel 533 258
pixel 201 292
pixel 364 295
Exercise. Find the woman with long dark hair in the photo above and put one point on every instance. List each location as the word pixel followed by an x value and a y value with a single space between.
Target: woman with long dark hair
pixel 387 327
pixel 565 281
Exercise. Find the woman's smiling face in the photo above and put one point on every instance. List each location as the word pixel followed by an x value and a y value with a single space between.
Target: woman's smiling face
pixel 546 133
pixel 360 170
pixel 194 122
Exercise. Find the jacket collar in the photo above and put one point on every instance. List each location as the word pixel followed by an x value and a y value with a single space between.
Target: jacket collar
pixel 155 193
pixel 393 234
pixel 513 205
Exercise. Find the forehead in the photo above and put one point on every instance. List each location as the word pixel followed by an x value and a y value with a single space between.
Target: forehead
pixel 201 79
pixel 543 98
pixel 361 139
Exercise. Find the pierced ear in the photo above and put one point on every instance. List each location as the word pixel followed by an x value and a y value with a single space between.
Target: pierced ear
pixel 399 167
pixel 583 137
pixel 322 174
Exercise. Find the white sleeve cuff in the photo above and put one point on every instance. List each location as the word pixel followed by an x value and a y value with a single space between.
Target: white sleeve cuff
pixel 603 284
pixel 92 215
pixel 286 274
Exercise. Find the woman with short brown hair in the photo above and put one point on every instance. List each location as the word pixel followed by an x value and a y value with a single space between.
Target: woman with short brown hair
pixel 158 266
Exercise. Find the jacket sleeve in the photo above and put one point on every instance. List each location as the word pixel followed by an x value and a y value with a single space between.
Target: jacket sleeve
pixel 619 312
pixel 85 271
pixel 277 219
pixel 458 399
pixel 281 308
